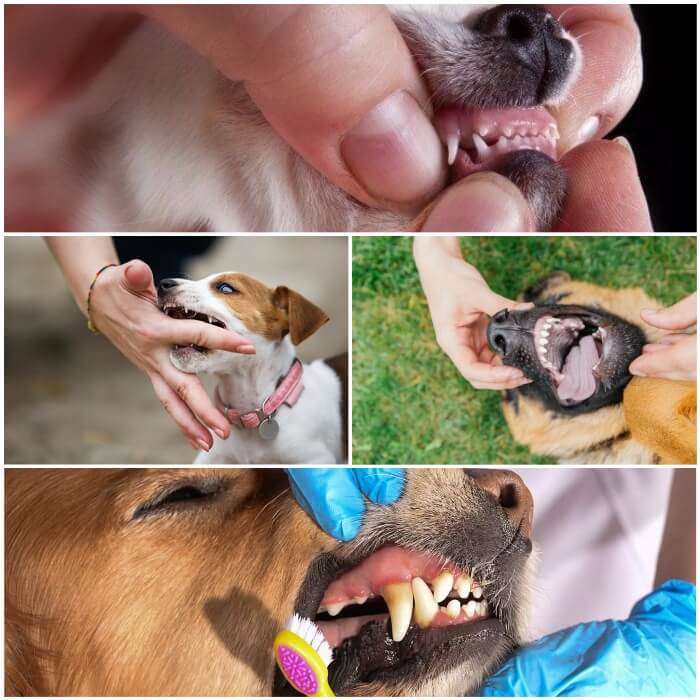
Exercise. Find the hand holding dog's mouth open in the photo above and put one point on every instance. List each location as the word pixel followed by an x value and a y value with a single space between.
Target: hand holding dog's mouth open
pixel 123 308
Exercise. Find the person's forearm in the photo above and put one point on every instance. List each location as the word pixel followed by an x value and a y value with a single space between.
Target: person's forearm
pixel 80 257
pixel 425 247
pixel 677 553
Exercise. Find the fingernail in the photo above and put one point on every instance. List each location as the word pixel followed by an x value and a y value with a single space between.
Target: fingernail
pixel 624 142
pixel 588 129
pixel 202 443
pixel 246 349
pixel 220 433
pixel 395 152
pixel 480 203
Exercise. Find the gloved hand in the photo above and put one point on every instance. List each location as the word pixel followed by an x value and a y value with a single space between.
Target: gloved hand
pixel 335 497
pixel 651 653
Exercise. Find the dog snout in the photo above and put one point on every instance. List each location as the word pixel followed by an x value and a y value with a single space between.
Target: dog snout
pixel 167 286
pixel 511 494
pixel 536 40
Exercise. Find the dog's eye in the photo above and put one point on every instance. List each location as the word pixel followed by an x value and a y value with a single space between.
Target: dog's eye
pixel 187 495
pixel 225 288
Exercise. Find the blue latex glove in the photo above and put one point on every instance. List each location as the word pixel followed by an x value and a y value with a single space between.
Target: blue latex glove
pixel 335 498
pixel 652 653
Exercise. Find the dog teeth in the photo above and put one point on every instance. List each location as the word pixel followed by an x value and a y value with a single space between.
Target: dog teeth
pixel 452 147
pixel 453 608
pixel 481 147
pixel 442 585
pixel 425 607
pixel 463 584
pixel 399 600
pixel 477 592
pixel 470 608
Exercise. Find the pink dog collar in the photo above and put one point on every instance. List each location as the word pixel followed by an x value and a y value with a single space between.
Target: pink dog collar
pixel 287 392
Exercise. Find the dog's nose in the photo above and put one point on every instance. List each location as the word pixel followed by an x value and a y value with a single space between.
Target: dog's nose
pixel 498 332
pixel 511 494
pixel 535 37
pixel 167 284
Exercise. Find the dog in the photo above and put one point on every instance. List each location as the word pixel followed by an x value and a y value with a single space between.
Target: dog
pixel 582 405
pixel 176 581
pixel 281 411
pixel 161 141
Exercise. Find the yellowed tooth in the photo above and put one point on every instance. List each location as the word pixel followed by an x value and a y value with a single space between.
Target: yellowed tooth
pixel 335 608
pixel 453 608
pixel 463 584
pixel 425 606
pixel 399 600
pixel 442 585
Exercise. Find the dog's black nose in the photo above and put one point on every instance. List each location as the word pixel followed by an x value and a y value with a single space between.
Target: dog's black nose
pixel 498 331
pixel 536 41
pixel 167 284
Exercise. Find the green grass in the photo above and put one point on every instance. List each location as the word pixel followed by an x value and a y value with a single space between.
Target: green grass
pixel 410 404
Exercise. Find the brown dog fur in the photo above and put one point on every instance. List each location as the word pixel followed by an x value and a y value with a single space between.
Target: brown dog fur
pixel 103 601
pixel 605 436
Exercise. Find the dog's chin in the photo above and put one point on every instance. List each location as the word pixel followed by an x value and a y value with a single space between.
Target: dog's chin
pixel 191 359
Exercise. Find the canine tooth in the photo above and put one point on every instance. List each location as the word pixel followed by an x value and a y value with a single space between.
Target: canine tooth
pixel 452 147
pixel 399 600
pixel 335 608
pixel 477 592
pixel 463 584
pixel 481 148
pixel 470 608
pixel 453 608
pixel 442 585
pixel 425 607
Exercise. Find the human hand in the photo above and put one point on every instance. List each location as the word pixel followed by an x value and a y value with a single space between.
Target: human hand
pixel 652 653
pixel 123 307
pixel 335 497
pixel 311 69
pixel 674 356
pixel 460 304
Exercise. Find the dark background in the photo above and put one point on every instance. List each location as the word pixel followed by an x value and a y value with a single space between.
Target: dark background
pixel 662 126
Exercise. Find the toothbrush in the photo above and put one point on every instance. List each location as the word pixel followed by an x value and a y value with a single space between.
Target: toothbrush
pixel 303 655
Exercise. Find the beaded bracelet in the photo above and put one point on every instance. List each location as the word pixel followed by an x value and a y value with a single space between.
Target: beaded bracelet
pixel 90 324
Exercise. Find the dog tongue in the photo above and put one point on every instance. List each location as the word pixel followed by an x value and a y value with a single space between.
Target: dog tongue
pixel 579 383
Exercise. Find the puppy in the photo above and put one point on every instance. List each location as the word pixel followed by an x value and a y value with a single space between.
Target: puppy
pixel 175 582
pixel 576 346
pixel 281 411
pixel 161 141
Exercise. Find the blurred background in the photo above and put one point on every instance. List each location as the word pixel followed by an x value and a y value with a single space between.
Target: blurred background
pixel 72 398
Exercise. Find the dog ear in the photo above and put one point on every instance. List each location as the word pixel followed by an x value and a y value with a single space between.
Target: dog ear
pixel 304 317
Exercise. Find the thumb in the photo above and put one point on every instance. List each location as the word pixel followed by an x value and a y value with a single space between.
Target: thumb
pixel 676 317
pixel 138 277
pixel 484 202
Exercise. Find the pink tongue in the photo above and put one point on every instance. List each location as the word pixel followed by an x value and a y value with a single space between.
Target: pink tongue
pixel 579 383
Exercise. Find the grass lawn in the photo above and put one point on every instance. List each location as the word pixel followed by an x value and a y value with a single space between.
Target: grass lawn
pixel 410 404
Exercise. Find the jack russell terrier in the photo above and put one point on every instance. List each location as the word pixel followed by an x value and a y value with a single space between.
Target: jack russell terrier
pixel 281 411
pixel 161 141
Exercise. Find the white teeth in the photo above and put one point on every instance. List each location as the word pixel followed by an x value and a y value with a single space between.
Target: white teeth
pixel 508 131
pixel 399 600
pixel 483 609
pixel 453 608
pixel 483 131
pixel 463 584
pixel 425 606
pixel 452 147
pixel 360 600
pixel 442 586
pixel 544 334
pixel 470 608
pixel 477 592
pixel 481 148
